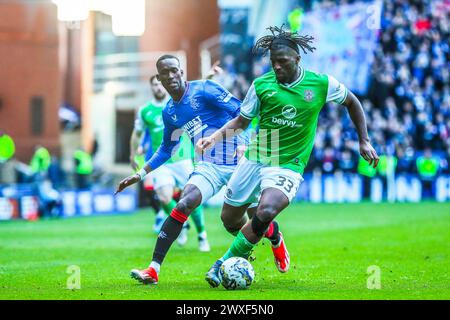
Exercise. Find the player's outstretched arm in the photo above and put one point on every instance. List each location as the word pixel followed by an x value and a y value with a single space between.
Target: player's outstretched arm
pixel 130 180
pixel 161 155
pixel 232 128
pixel 356 113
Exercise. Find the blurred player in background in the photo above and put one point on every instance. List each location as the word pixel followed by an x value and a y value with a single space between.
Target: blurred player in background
pixel 287 101
pixel 197 108
pixel 141 147
pixel 171 175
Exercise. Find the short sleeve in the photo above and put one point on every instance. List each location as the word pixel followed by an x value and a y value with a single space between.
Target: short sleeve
pixel 337 92
pixel 220 97
pixel 250 106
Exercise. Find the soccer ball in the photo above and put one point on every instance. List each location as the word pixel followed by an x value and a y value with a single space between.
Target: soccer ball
pixel 236 273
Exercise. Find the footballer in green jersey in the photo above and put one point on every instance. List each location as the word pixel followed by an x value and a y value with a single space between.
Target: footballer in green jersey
pixel 287 101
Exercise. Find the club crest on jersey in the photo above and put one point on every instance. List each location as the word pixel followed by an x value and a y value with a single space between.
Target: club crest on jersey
pixel 308 95
pixel 289 112
pixel 194 104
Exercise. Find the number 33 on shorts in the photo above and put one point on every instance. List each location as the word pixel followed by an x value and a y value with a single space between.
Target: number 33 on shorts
pixel 285 180
pixel 287 184
pixel 250 178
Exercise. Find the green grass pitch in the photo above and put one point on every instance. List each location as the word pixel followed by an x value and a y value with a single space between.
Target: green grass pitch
pixel 331 247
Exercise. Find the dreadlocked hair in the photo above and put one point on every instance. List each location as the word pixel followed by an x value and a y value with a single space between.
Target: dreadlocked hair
pixel 265 43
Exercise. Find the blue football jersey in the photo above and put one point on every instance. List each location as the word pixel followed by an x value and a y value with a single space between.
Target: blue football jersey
pixel 204 108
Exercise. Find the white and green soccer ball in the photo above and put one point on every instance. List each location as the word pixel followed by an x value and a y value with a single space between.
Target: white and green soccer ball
pixel 236 273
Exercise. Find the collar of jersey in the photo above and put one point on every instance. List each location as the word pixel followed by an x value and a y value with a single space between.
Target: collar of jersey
pixel 184 94
pixel 299 79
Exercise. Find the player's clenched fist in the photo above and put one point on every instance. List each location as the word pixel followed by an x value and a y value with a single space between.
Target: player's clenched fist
pixel 128 181
pixel 203 144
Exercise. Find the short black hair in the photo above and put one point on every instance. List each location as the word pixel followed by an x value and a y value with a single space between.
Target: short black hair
pixel 279 37
pixel 167 56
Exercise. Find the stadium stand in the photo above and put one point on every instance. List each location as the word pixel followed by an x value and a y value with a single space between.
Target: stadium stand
pixel 408 103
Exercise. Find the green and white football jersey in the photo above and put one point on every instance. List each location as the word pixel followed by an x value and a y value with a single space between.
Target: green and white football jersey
pixel 288 116
pixel 150 117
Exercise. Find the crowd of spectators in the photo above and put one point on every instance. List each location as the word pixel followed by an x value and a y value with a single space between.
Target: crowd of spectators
pixel 407 105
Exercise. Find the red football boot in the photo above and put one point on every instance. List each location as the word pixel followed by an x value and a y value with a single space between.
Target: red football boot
pixel 146 276
pixel 281 255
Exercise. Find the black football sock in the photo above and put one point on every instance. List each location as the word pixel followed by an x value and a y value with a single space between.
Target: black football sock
pixel 169 233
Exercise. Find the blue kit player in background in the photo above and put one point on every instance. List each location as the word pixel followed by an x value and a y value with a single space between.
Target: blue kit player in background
pixel 197 108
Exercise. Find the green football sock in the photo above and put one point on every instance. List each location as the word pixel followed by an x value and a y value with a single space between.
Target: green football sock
pixel 199 219
pixel 240 247
pixel 169 207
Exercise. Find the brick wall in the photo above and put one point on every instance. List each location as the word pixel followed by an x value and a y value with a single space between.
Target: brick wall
pixel 29 68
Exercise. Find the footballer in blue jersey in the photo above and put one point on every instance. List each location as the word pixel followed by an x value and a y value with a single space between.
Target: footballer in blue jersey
pixel 204 107
pixel 197 108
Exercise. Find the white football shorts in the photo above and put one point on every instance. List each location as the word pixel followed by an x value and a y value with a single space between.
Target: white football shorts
pixel 250 179
pixel 209 178
pixel 171 174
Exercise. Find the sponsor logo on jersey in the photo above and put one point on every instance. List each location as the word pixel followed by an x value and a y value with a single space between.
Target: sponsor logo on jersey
pixel 174 117
pixel 194 127
pixel 225 97
pixel 229 193
pixel 308 95
pixel 272 94
pixel 285 122
pixel 159 121
pixel 289 112
pixel 159 124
